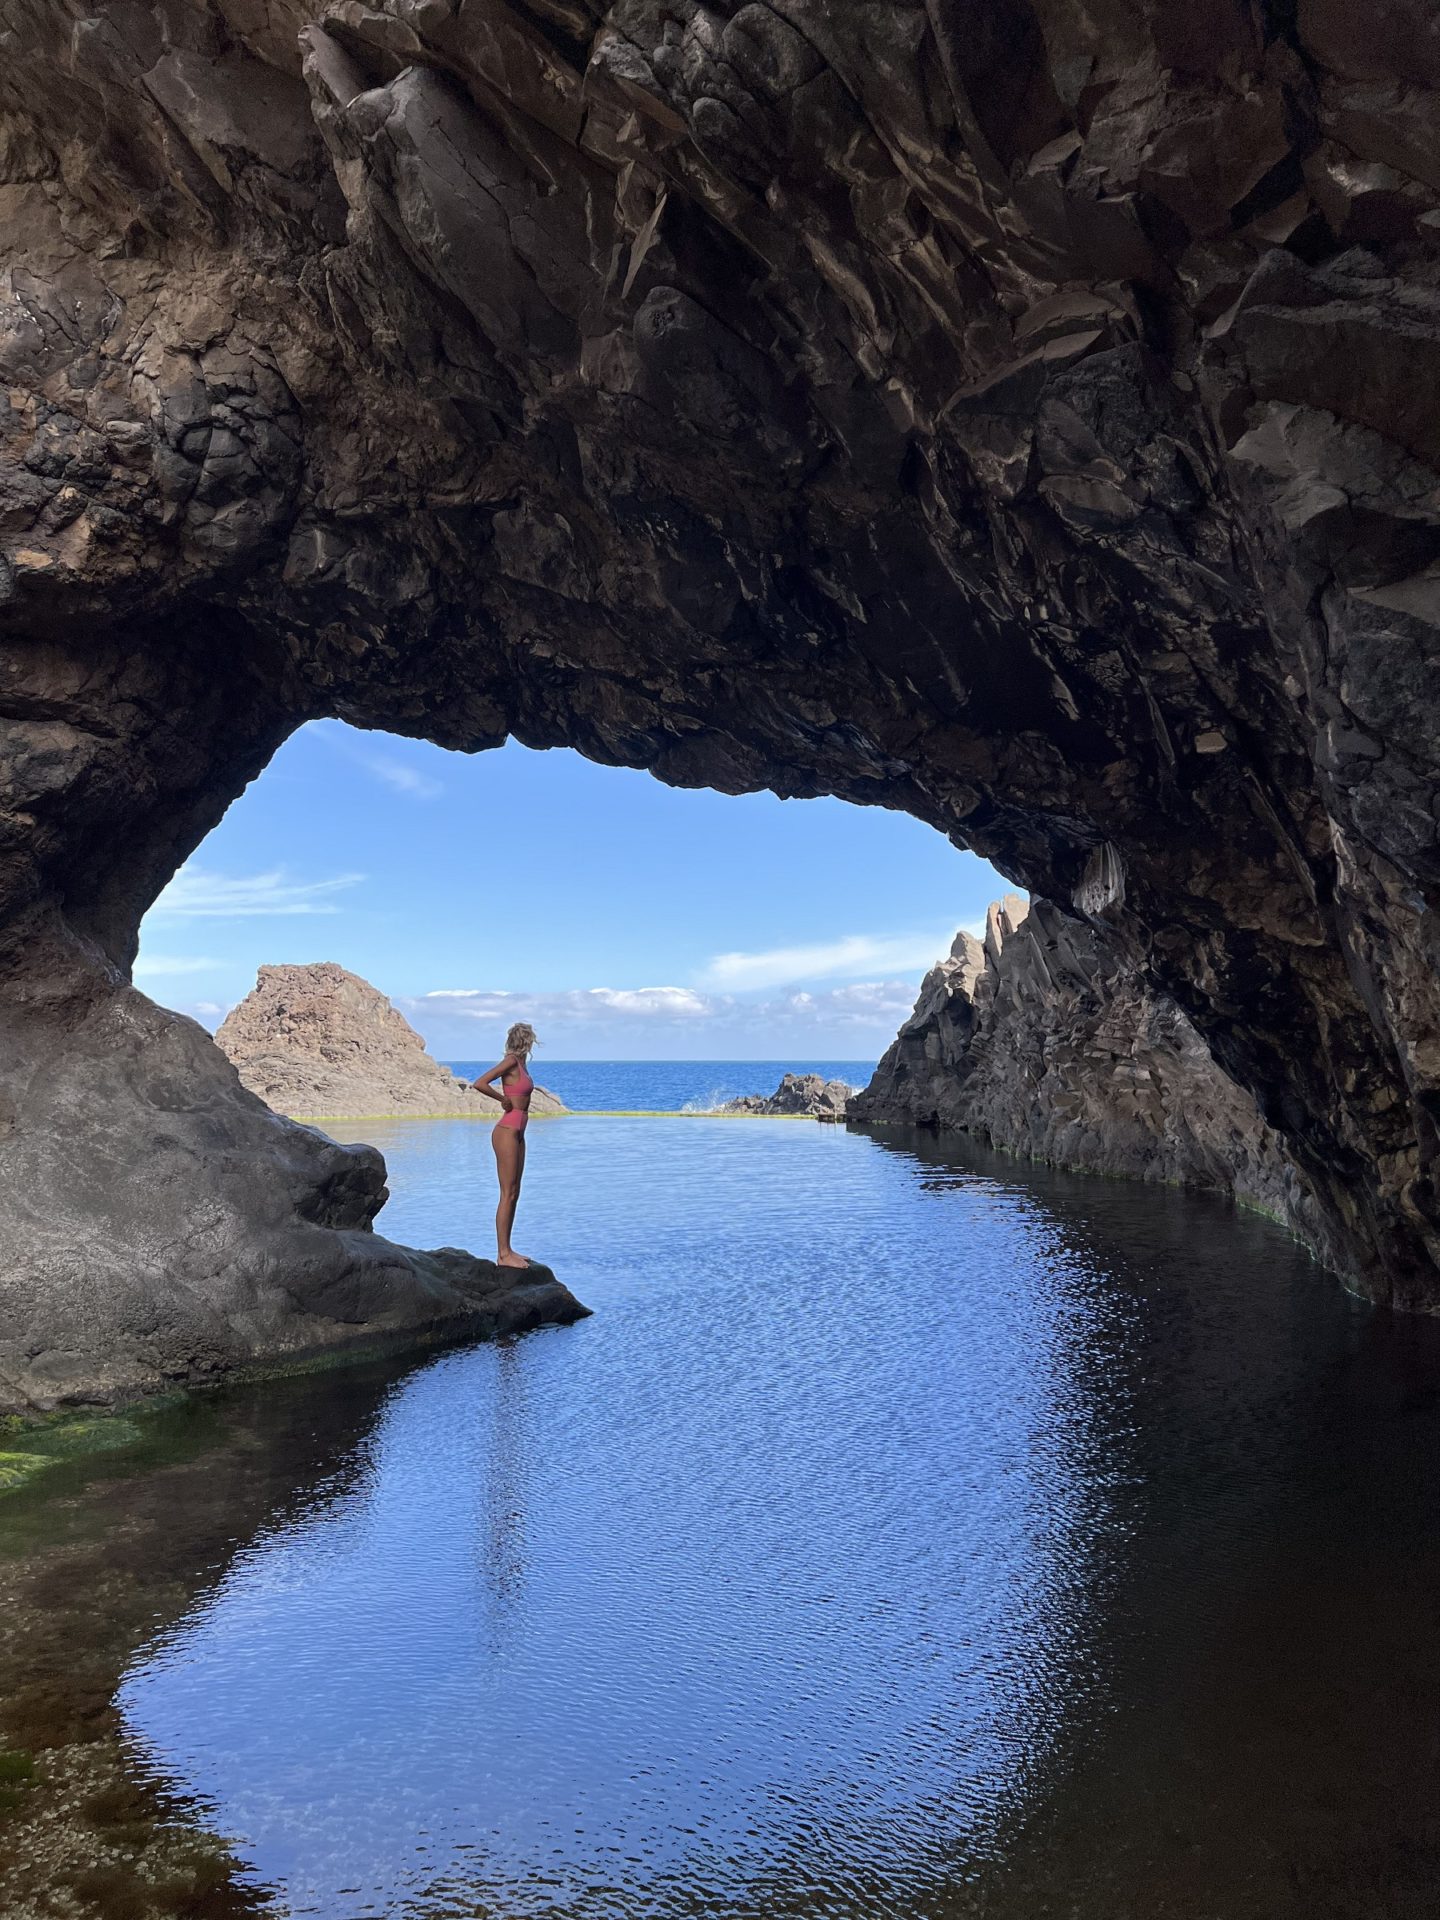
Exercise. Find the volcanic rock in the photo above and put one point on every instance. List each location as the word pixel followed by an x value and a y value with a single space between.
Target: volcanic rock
pixel 798 1093
pixel 1027 416
pixel 189 1231
pixel 316 1042
pixel 1036 1042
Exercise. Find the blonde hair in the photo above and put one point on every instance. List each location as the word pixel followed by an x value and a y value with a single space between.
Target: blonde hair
pixel 521 1038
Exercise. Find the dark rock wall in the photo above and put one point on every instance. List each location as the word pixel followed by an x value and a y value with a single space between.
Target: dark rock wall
pixel 1023 415
pixel 1036 1041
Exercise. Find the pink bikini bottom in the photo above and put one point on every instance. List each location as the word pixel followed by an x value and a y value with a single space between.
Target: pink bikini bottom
pixel 514 1120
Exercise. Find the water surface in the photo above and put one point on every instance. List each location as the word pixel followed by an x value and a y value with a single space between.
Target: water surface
pixel 909 1533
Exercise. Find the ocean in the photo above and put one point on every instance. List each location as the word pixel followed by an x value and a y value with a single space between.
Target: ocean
pixel 667 1086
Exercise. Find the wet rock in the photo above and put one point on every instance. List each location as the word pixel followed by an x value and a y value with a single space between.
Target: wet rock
pixel 316 1042
pixel 1028 422
pixel 1038 1042
pixel 799 1094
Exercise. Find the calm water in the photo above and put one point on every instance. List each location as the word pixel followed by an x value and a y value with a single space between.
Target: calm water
pixel 669 1086
pixel 908 1534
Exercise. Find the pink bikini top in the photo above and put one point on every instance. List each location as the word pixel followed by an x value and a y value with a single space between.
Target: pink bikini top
pixel 519 1086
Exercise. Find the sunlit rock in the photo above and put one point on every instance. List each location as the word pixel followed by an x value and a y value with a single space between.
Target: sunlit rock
pixel 799 1094
pixel 317 1042
pixel 1039 1043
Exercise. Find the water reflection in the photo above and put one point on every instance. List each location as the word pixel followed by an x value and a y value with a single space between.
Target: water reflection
pixel 502 1541
pixel 909 1533
pixel 773 1584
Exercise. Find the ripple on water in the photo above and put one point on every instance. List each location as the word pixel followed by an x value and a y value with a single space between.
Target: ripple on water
pixel 816 1574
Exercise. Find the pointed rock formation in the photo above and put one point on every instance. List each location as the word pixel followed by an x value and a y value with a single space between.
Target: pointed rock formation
pixel 319 1043
pixel 1037 1042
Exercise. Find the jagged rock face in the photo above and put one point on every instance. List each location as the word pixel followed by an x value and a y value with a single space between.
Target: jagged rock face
pixel 1023 415
pixel 317 1042
pixel 1038 1043
pixel 798 1094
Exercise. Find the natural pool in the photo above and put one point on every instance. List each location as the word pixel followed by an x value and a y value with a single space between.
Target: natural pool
pixel 909 1533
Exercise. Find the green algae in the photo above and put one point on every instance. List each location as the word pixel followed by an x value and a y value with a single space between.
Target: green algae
pixel 63 1436
pixel 17 1775
pixel 32 1446
pixel 47 1460
pixel 16 1469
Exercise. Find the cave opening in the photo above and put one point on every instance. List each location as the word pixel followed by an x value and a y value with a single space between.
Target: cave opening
pixel 1013 425
pixel 625 918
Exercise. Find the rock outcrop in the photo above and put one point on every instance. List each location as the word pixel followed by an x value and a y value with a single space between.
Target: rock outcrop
pixel 1036 1042
pixel 1024 415
pixel 801 1094
pixel 164 1226
pixel 316 1042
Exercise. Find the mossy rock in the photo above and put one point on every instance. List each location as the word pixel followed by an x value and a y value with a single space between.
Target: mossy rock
pixel 17 1469
pixel 31 1446
pixel 91 1433
pixel 17 1772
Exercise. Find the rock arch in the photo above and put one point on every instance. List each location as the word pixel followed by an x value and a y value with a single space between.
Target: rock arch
pixel 1030 427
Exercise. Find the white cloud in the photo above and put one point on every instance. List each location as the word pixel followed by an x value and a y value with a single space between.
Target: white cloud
pixel 867 1003
pixel 851 954
pixel 673 1003
pixel 196 894
pixel 578 1003
pixel 878 1005
pixel 155 965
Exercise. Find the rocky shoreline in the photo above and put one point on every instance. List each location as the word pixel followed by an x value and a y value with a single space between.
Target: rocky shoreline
pixel 1038 1043
pixel 798 1096
pixel 180 1237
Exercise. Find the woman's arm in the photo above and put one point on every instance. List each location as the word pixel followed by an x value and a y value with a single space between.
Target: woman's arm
pixel 481 1083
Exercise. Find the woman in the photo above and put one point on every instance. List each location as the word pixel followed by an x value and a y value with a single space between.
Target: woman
pixel 508 1135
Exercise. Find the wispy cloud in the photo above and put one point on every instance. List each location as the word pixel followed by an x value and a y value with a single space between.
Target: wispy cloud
pixel 156 965
pixel 576 1003
pixel 850 955
pixel 393 770
pixel 864 1003
pixel 400 777
pixel 878 1005
pixel 197 894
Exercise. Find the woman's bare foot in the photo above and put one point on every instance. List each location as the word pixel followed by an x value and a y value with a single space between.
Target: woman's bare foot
pixel 511 1260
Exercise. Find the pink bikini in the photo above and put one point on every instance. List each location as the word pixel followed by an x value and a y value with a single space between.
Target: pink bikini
pixel 518 1087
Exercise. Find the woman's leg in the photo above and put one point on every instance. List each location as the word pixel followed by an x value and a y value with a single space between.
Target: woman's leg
pixel 509 1148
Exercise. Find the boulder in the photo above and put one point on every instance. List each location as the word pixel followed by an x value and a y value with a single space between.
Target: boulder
pixel 187 1232
pixel 797 1094
pixel 316 1042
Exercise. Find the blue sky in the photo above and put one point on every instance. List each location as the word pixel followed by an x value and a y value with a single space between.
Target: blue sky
pixel 626 919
